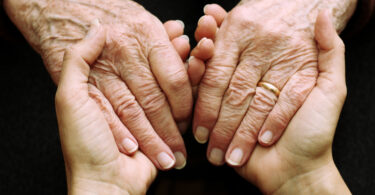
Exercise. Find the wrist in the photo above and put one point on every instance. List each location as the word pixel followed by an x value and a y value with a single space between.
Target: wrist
pixel 93 180
pixel 323 180
pixel 84 186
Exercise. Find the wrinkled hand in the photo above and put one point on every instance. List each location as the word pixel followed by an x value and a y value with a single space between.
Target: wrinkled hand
pixel 139 81
pixel 301 161
pixel 94 165
pixel 254 44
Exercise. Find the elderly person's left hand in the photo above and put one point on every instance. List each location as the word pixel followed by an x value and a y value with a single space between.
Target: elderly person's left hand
pixel 93 161
pixel 263 68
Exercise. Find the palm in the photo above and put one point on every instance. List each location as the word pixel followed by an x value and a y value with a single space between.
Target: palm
pixel 304 141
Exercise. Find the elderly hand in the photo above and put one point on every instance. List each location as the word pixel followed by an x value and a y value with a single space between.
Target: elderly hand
pixel 94 165
pixel 301 161
pixel 139 81
pixel 258 41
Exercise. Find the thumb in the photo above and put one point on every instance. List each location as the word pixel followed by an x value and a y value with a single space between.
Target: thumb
pixel 331 57
pixel 75 70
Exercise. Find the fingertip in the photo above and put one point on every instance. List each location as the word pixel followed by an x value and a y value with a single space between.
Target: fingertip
pixel 129 146
pixel 207 27
pixel 325 33
pixel 182 46
pixel 174 28
pixel 266 138
pixel 196 70
pixel 204 50
pixel 216 11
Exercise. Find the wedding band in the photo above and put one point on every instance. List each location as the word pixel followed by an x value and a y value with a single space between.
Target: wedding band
pixel 269 87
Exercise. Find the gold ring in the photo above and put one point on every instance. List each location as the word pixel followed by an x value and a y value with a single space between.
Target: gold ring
pixel 270 87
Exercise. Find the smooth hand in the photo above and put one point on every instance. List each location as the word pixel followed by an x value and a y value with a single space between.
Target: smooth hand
pixel 301 161
pixel 264 66
pixel 94 165
pixel 139 81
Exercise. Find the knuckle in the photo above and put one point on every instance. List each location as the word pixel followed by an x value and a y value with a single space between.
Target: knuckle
pixel 178 81
pixel 174 141
pixel 249 135
pixel 237 97
pixel 153 103
pixel 215 77
pixel 128 108
pixel 263 101
pixel 281 118
pixel 206 110
pixel 240 90
pixel 222 135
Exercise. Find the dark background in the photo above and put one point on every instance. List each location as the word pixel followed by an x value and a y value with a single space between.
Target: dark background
pixel 30 156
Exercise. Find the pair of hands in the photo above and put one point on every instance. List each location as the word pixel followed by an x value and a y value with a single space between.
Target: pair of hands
pixel 302 158
pixel 142 86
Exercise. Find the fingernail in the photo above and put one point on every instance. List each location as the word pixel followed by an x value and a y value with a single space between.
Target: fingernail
pixel 129 145
pixel 180 160
pixel 201 135
pixel 94 28
pixel 216 156
pixel 266 137
pixel 204 8
pixel 200 20
pixel 235 157
pixel 185 37
pixel 201 41
pixel 181 22
pixel 165 160
pixel 190 58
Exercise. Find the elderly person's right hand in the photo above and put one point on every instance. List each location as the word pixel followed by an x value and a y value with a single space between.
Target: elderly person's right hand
pixel 301 161
pixel 139 81
pixel 264 66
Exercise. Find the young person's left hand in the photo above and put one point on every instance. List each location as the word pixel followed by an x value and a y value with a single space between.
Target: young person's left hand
pixel 93 161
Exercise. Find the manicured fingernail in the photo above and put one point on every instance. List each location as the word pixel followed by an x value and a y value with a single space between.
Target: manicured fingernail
pixel 181 23
pixel 266 137
pixel 235 157
pixel 94 28
pixel 216 156
pixel 165 160
pixel 185 37
pixel 129 145
pixel 201 135
pixel 180 160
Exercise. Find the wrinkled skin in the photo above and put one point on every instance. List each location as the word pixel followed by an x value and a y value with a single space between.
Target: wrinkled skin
pixel 139 81
pixel 256 43
pixel 93 162
pixel 301 161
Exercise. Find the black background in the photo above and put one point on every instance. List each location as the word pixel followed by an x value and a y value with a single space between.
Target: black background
pixel 30 154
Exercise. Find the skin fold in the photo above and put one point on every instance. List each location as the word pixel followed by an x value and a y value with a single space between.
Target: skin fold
pixel 300 163
pixel 269 41
pixel 139 81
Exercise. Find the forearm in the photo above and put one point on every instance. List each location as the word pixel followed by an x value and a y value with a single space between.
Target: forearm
pixel 326 180
pixel 301 14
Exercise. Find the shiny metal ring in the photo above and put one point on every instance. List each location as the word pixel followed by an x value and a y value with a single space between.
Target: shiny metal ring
pixel 269 87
